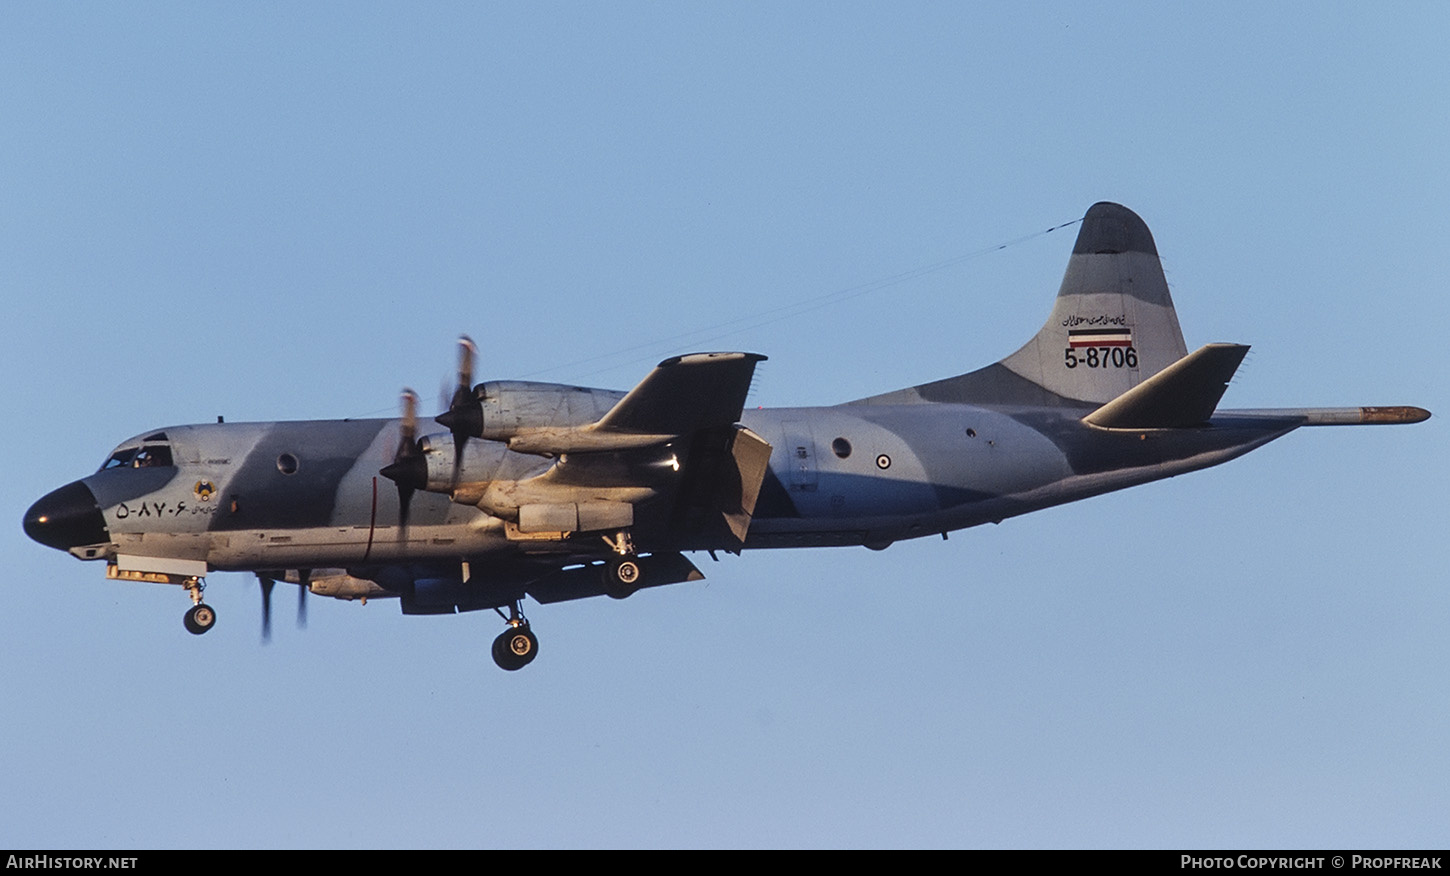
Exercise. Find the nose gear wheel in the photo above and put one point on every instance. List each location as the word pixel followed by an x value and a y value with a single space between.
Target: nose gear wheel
pixel 200 618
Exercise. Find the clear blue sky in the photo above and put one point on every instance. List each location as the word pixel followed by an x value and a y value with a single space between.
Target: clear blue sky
pixel 285 211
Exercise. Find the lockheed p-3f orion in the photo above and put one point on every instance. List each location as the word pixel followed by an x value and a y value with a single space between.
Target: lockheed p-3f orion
pixel 563 492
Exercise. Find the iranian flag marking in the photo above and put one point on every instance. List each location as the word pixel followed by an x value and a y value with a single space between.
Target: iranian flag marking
pixel 1114 337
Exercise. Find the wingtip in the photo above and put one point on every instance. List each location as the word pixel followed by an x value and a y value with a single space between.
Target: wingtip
pixel 695 358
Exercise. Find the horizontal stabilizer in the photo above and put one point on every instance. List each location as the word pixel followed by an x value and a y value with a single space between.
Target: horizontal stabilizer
pixel 1183 394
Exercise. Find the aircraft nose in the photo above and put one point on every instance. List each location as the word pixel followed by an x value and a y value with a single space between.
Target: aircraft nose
pixel 66 518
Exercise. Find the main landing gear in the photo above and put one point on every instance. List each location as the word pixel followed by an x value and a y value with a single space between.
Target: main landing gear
pixel 201 617
pixel 517 646
pixel 622 574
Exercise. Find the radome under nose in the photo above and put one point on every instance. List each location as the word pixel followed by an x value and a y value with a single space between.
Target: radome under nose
pixel 66 518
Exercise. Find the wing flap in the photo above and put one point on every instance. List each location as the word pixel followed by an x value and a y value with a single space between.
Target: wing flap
pixel 751 457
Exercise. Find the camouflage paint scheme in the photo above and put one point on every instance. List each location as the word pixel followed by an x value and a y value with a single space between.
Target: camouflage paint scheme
pixel 1105 396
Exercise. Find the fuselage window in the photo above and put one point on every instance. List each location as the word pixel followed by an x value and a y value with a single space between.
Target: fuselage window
pixel 841 447
pixel 287 464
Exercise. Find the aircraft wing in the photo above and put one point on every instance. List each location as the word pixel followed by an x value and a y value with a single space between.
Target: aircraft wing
pixel 685 394
pixel 681 396
pixel 668 460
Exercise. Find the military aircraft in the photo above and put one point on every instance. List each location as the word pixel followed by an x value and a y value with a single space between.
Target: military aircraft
pixel 563 492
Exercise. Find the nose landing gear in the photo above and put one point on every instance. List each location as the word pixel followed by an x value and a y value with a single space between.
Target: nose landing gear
pixel 201 617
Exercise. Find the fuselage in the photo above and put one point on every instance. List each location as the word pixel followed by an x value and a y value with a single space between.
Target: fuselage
pixel 260 496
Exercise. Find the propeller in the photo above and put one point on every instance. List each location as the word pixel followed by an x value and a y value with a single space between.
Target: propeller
pixel 408 469
pixel 304 577
pixel 464 417
pixel 304 581
pixel 267 585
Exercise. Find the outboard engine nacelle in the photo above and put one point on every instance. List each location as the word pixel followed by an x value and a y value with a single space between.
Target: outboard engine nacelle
pixel 501 409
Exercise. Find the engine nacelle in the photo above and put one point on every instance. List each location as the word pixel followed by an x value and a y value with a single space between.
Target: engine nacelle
pixel 508 407
pixel 438 458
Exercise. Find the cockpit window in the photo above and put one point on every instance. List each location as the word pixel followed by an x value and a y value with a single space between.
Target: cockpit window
pixel 153 456
pixel 147 456
pixel 121 458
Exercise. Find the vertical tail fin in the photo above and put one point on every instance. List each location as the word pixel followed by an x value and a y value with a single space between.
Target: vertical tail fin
pixel 1112 327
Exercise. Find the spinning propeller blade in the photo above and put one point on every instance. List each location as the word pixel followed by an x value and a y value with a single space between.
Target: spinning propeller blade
pixel 267 582
pixel 267 585
pixel 408 470
pixel 304 581
pixel 464 417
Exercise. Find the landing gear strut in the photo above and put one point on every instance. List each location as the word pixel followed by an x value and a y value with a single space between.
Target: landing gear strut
pixel 622 574
pixel 517 646
pixel 201 617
